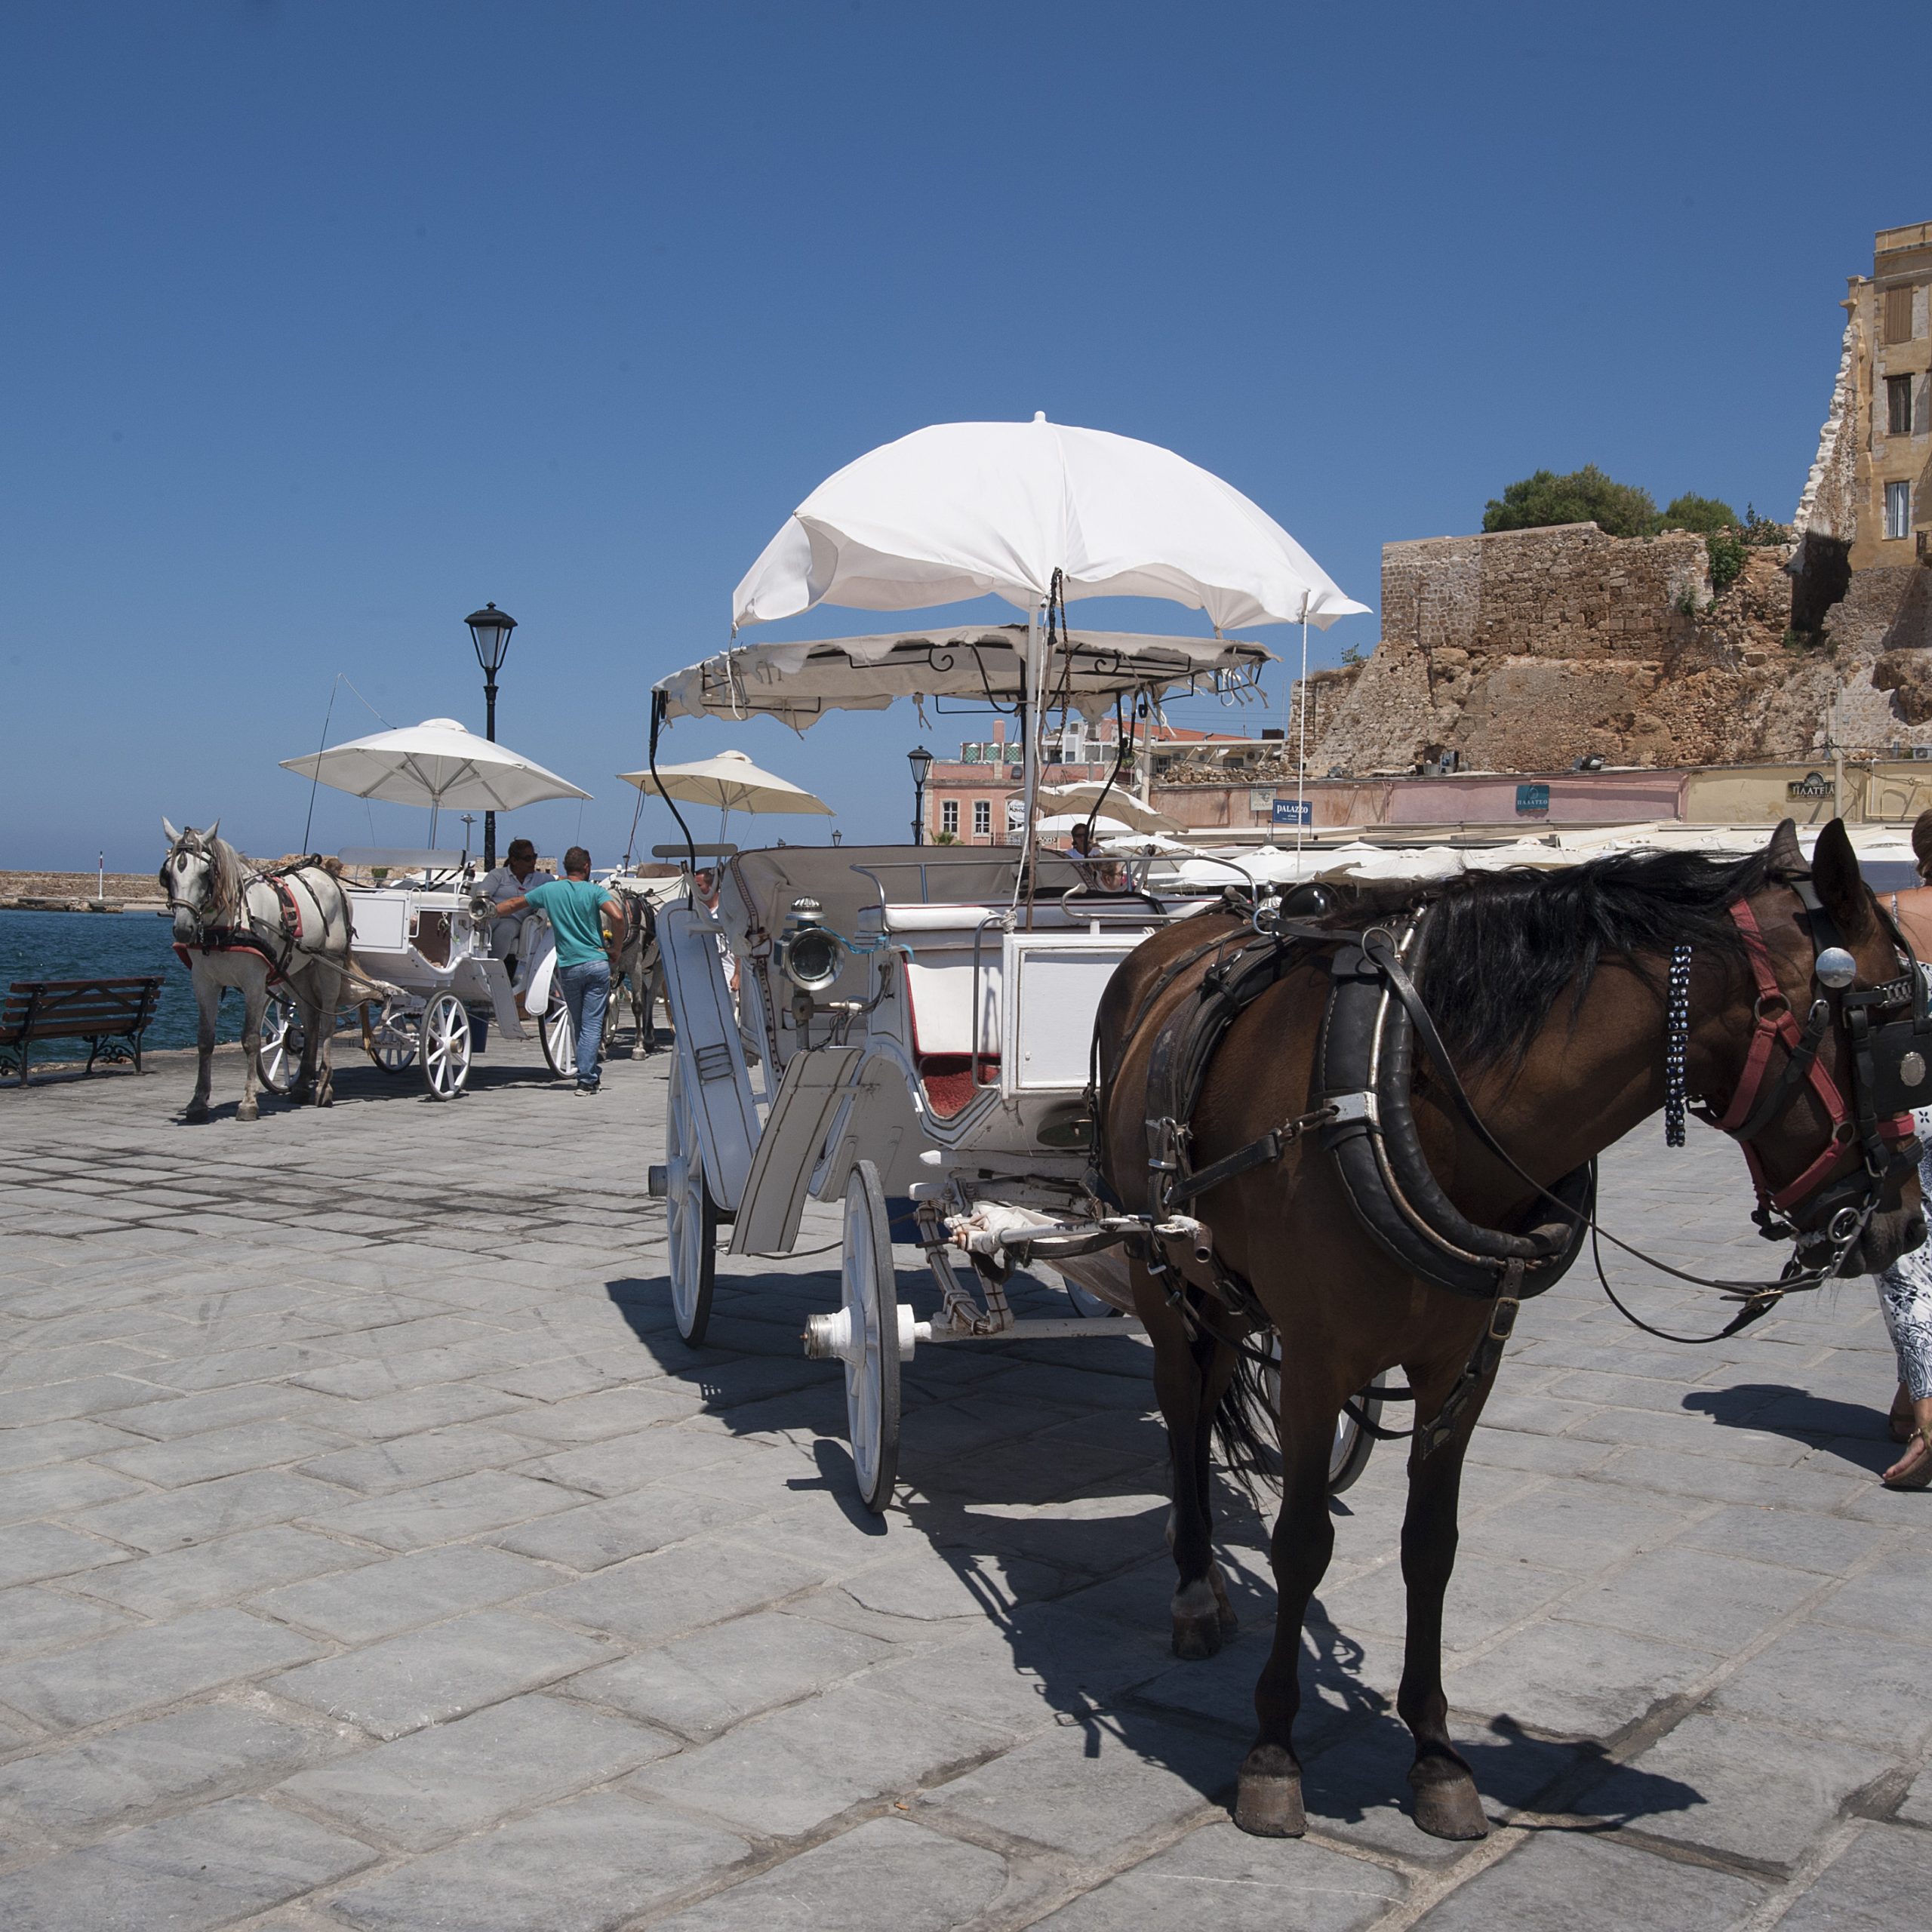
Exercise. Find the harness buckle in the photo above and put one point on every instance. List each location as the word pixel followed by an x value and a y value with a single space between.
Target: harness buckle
pixel 1502 1318
pixel 1363 1106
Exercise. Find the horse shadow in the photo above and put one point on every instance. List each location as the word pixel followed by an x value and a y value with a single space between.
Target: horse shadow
pixel 1855 1432
pixel 1034 1491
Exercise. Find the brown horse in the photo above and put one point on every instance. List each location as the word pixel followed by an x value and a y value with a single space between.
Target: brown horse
pixel 1550 992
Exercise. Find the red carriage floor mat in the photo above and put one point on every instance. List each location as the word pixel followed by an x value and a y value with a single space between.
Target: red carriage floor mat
pixel 948 1080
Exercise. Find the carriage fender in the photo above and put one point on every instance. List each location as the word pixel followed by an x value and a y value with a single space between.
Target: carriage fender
pixel 536 994
pixel 710 1050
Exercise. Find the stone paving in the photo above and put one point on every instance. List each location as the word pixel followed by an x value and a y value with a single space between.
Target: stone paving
pixel 379 1558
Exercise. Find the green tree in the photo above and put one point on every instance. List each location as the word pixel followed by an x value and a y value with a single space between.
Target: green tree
pixel 1702 514
pixel 1584 496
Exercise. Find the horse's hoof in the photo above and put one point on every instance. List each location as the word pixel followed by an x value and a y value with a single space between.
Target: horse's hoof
pixel 1269 1806
pixel 248 1110
pixel 1198 1637
pixel 1449 1807
pixel 195 1116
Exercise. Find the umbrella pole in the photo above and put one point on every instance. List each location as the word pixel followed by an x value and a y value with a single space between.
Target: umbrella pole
pixel 1301 711
pixel 1030 714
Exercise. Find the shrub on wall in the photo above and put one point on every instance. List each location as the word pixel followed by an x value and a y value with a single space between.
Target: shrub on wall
pixel 1705 515
pixel 1584 496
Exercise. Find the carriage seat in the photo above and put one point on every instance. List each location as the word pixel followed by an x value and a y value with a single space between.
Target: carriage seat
pixel 939 940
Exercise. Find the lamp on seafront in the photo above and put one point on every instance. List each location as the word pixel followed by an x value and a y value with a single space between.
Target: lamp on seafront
pixel 490 631
pixel 920 759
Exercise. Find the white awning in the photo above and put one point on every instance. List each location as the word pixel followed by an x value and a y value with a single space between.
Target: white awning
pixel 799 683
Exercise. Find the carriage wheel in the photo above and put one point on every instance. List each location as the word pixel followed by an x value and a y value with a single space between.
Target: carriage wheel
pixel 392 1042
pixel 1349 1451
pixel 691 1218
pixel 445 1035
pixel 1348 1454
pixel 869 1291
pixel 281 1043
pixel 558 1036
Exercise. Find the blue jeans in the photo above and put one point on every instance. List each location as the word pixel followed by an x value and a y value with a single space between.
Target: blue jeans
pixel 586 991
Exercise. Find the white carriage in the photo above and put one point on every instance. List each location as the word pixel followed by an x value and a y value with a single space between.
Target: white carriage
pixel 443 990
pixel 910 1024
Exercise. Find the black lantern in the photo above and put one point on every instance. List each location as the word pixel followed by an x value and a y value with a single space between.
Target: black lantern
pixel 920 759
pixel 490 631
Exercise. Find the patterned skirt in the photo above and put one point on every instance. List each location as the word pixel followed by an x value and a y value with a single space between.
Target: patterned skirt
pixel 1905 1294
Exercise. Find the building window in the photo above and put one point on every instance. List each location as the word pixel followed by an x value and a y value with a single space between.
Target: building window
pixel 1898 315
pixel 1898 509
pixel 949 816
pixel 983 817
pixel 1898 405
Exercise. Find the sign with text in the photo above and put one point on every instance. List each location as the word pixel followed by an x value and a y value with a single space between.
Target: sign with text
pixel 1294 811
pixel 1532 799
pixel 1813 785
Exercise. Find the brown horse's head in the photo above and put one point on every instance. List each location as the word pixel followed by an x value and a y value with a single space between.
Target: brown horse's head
pixel 1832 1147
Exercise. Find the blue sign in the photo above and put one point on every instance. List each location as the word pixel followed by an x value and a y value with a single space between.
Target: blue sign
pixel 1532 799
pixel 1294 811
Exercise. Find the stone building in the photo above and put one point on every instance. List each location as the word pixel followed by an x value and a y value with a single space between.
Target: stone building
pixel 1870 487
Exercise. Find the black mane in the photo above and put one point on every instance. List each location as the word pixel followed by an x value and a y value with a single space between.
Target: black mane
pixel 1502 946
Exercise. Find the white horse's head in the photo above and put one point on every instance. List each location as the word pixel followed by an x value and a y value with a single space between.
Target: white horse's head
pixel 198 877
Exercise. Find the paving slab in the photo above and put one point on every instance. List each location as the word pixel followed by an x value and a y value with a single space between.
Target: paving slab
pixel 227 1570
pixel 449 1780
pixel 366 1600
pixel 588 1865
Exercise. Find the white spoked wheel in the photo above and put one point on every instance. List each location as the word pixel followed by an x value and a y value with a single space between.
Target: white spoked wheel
pixel 445 1035
pixel 281 1043
pixel 869 1304
pixel 1349 1451
pixel 690 1218
pixel 559 1036
pixel 392 1040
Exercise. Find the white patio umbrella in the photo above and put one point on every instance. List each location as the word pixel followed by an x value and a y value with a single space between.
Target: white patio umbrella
pixel 958 509
pixel 438 764
pixel 730 782
pixel 1121 806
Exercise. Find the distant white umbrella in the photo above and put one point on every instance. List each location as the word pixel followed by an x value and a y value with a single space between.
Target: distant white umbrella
pixel 1061 822
pixel 730 782
pixel 1120 805
pixel 438 764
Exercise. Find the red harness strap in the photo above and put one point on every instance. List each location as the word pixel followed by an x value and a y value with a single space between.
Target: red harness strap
pixel 227 939
pixel 1777 1023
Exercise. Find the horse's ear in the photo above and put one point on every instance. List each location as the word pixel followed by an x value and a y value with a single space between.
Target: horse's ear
pixel 1840 885
pixel 209 836
pixel 1784 857
pixel 173 837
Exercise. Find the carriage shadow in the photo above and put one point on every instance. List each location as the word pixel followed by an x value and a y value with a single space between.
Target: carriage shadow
pixel 1033 1484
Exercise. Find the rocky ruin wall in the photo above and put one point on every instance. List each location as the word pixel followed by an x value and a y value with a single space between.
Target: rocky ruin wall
pixel 1524 650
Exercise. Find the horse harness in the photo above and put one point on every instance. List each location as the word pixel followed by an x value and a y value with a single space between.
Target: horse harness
pixel 1365 1119
pixel 249 937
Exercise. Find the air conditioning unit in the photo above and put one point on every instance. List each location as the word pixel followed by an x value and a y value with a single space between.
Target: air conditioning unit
pixel 1921 754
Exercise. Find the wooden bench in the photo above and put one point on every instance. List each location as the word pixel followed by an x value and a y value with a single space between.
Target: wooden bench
pixel 95 1011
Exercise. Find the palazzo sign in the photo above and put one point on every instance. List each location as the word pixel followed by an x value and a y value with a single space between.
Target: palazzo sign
pixel 1813 785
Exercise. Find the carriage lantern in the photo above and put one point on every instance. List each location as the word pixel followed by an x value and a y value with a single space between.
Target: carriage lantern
pixel 490 631
pixel 808 952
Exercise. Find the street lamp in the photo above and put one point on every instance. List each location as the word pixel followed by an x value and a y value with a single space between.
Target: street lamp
pixel 920 759
pixel 490 631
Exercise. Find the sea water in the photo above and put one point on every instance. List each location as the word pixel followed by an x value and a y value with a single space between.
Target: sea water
pixel 108 946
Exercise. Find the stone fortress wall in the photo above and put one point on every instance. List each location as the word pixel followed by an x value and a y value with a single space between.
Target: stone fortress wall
pixel 1524 650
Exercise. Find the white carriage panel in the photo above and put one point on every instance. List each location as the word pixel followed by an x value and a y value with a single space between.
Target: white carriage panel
pixel 711 1055
pixel 815 1084
pixel 1053 982
pixel 939 981
pixel 381 921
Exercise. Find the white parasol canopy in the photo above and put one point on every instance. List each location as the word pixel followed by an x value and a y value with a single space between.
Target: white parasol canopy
pixel 1120 805
pixel 730 782
pixel 958 509
pixel 438 764
pixel 1065 822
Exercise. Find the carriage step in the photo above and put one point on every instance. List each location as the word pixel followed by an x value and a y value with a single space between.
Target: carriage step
pixel 657 1183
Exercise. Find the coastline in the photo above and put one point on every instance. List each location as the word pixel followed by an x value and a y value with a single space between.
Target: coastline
pixel 80 892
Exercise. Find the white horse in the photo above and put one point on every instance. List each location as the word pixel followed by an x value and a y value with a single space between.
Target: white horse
pixel 236 927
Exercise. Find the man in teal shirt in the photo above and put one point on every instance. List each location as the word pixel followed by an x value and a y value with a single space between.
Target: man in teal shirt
pixel 580 915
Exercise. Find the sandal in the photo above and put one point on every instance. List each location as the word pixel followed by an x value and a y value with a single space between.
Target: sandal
pixel 1918 1475
pixel 1898 1424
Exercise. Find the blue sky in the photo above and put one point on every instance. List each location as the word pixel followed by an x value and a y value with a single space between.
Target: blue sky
pixel 322 324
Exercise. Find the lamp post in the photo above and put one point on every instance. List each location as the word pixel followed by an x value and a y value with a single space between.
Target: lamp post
pixel 490 631
pixel 920 759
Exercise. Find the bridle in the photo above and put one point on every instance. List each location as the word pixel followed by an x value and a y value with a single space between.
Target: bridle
pixel 176 903
pixel 1872 1136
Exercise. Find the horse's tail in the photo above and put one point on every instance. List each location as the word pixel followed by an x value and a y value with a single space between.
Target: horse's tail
pixel 358 983
pixel 1247 1429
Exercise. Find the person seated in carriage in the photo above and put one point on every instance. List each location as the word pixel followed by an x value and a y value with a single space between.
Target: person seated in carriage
pixel 508 880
